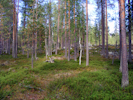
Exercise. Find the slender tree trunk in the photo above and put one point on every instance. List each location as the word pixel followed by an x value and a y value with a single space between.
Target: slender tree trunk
pixel 129 29
pixel 83 43
pixel 17 29
pixel 57 43
pixel 40 39
pixel 120 69
pixel 87 47
pixel 6 45
pixel 75 53
pixel 62 36
pixel 69 31
pixel 32 51
pixel 106 31
pixel 8 49
pixel 65 32
pixel 9 40
pixel 14 31
pixel 49 40
pixel 99 34
pixel 20 42
pixel 36 32
pixel 32 58
pixel 120 49
pixel 46 51
pixel 0 44
pixel 28 46
pixel 120 32
pixel 125 80
pixel 114 53
pixel 80 44
pixel 23 37
pixel 103 28
pixel 1 36
pixel 95 39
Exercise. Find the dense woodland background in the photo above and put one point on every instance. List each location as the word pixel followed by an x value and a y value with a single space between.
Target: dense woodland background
pixel 63 28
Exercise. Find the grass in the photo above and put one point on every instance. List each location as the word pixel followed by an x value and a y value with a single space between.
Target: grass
pixel 62 79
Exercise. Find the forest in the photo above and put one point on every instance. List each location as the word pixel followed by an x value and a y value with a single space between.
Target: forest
pixel 66 49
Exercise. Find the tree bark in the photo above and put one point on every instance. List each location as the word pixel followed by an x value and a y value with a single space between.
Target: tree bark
pixel 17 29
pixel 103 28
pixel 65 32
pixel 14 30
pixel 87 47
pixel 120 49
pixel 125 80
pixel 75 46
pixel 114 53
pixel 129 30
pixel 120 32
pixel 57 43
pixel 46 51
pixel 0 44
pixel 23 37
pixel 69 31
pixel 99 34
pixel 32 49
pixel 80 44
pixel 49 39
pixel 62 37
pixel 36 32
pixel 106 31
pixel 28 46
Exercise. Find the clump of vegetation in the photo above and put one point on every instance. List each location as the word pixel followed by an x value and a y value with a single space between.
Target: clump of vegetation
pixel 100 84
pixel 63 79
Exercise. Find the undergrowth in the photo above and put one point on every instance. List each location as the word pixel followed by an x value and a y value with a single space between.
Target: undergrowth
pixel 99 80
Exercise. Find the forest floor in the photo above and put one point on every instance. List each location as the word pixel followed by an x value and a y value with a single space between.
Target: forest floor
pixel 63 80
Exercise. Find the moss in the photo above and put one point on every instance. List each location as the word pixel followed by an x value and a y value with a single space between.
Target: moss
pixel 99 80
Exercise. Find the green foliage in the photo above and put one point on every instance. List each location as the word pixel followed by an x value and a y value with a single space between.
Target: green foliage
pixel 63 79
pixel 94 85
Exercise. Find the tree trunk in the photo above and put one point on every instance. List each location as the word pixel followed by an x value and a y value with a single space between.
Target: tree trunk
pixel 120 33
pixel 129 30
pixel 125 80
pixel 62 37
pixel 23 37
pixel 99 34
pixel 120 49
pixel 106 31
pixel 57 43
pixel 75 46
pixel 120 69
pixel 17 29
pixel 80 44
pixel 46 51
pixel 36 32
pixel 103 28
pixel 28 46
pixel 69 31
pixel 32 52
pixel 65 32
pixel 40 39
pixel 49 39
pixel 87 47
pixel 114 53
pixel 0 44
pixel 14 30
pixel 32 58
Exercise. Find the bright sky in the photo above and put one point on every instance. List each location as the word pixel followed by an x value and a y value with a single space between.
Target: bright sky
pixel 92 15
